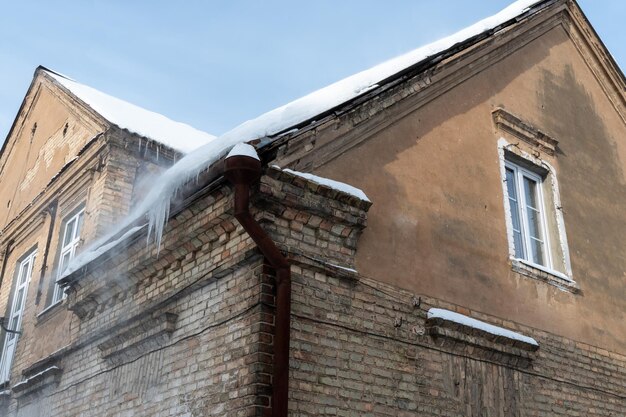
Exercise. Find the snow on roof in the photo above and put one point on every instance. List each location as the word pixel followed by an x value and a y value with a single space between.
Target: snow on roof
pixel 156 203
pixel 477 324
pixel 327 98
pixel 176 135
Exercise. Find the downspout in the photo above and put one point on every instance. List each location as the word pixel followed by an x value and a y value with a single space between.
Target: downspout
pixel 243 171
pixel 52 211
pixel 7 252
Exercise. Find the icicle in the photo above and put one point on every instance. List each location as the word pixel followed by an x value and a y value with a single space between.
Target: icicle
pixel 156 204
pixel 157 220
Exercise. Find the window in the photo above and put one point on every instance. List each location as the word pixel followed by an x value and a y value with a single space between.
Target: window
pixel 69 243
pixel 534 218
pixel 24 271
pixel 534 214
pixel 527 211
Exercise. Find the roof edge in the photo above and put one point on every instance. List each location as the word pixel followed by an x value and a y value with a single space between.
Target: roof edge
pixel 19 111
pixel 420 66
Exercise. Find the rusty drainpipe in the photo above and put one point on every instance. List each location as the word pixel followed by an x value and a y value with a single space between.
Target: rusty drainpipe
pixel 243 172
pixel 52 211
pixel 7 251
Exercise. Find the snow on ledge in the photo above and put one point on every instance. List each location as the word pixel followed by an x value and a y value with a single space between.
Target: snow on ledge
pixel 243 149
pixel 439 313
pixel 22 384
pixel 335 185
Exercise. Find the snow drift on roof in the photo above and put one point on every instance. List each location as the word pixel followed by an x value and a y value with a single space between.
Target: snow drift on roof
pixel 327 98
pixel 143 122
pixel 156 203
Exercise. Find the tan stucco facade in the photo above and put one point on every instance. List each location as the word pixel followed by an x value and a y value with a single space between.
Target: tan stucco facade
pixel 48 133
pixel 438 225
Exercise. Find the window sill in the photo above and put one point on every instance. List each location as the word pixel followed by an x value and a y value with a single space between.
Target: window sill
pixel 49 311
pixel 547 275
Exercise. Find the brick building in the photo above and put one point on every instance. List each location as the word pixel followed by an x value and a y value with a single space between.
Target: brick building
pixel 480 271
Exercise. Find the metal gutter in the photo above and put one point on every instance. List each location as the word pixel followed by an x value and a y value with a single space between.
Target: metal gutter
pixel 243 172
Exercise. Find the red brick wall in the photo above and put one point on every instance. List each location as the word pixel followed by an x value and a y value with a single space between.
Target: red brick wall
pixel 359 347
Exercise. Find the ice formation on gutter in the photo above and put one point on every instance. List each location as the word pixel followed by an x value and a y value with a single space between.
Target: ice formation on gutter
pixel 157 201
pixel 477 324
pixel 138 120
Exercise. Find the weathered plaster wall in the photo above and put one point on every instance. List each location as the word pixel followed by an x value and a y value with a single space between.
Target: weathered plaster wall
pixel 437 225
pixel 48 134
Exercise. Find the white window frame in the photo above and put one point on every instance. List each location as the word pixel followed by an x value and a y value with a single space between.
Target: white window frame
pixel 68 250
pixel 519 174
pixel 560 276
pixel 14 320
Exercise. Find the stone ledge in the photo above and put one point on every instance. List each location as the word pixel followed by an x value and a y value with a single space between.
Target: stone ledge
pixel 496 346
pixel 5 395
pixel 304 184
pixel 47 362
pixel 515 126
pixel 334 270
pixel 48 376
pixel 134 341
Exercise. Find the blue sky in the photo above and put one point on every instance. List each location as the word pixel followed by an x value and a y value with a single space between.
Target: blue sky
pixel 215 64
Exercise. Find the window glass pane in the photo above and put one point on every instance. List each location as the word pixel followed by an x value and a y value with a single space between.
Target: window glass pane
pixel 69 232
pixel 13 325
pixel 510 184
pixel 56 296
pixel 533 215
pixel 537 251
pixel 79 226
pixel 530 190
pixel 515 214
pixel 23 272
pixel 18 299
pixel 65 258
pixel 534 233
pixel 534 226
